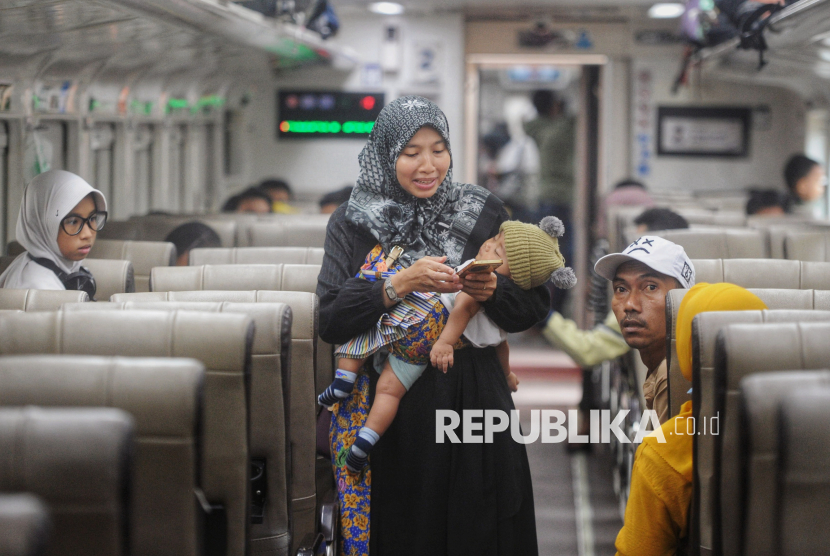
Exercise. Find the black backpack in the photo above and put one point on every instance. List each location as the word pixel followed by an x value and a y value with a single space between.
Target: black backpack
pixel 80 281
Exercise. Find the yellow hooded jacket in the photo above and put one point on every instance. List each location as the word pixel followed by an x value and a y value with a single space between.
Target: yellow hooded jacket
pixel 656 517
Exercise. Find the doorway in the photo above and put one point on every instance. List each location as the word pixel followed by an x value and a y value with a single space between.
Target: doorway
pixel 499 100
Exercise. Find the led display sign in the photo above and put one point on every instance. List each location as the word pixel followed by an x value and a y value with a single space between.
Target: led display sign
pixel 318 114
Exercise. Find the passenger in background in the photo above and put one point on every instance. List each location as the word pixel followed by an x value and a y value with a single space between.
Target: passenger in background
pixel 627 192
pixel 330 201
pixel 641 277
pixel 281 195
pixel 252 200
pixel 190 236
pixel 765 202
pixel 657 512
pixel 555 134
pixel 655 219
pixel 59 219
pixel 806 182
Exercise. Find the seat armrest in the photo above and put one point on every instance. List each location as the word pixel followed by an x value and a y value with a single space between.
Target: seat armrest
pixel 329 512
pixel 313 545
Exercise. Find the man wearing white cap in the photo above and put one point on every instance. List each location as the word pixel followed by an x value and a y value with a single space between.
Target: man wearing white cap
pixel 641 276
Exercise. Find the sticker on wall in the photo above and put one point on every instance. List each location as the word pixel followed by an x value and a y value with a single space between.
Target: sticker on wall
pixel 56 97
pixel 643 114
pixel 427 62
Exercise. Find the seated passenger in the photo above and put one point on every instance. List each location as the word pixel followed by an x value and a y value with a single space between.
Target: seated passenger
pixel 252 200
pixel 330 201
pixel 765 202
pixel 655 219
pixel 59 219
pixel 416 333
pixel 281 195
pixel 657 513
pixel 190 236
pixel 806 181
pixel 591 347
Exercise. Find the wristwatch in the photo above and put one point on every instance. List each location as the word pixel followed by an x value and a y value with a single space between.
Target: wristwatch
pixel 390 290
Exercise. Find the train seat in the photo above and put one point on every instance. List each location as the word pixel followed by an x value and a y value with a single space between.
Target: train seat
pixel 39 300
pixel 13 249
pixel 269 409
pixel 123 230
pixel 764 273
pixel 286 277
pixel 164 397
pixel 311 371
pixel 720 243
pixel 707 404
pixel 155 227
pixel 222 342
pixel 678 386
pixel 758 463
pixel 807 245
pixel 757 350
pixel 24 525
pixel 290 233
pixel 111 276
pixel 144 255
pixel 805 485
pixel 78 462
pixel 256 255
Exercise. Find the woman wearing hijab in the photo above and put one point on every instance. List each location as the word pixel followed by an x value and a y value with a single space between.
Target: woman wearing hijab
pixel 426 497
pixel 59 218
pixel 657 512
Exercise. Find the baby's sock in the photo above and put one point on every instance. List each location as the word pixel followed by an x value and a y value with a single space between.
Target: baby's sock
pixel 358 455
pixel 339 389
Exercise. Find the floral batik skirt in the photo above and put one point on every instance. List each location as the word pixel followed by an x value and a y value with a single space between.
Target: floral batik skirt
pixel 353 491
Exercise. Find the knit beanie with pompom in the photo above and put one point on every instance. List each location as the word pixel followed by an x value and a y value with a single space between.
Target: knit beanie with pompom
pixel 533 253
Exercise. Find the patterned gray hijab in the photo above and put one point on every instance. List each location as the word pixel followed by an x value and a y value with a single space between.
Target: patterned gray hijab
pixel 439 225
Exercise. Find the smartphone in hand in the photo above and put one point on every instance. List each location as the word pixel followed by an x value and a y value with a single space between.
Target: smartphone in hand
pixel 474 266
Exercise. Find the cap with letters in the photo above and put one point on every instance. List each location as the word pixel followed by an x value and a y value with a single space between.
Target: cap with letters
pixel 659 254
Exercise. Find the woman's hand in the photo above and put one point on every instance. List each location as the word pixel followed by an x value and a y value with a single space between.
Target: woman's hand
pixel 480 286
pixel 427 275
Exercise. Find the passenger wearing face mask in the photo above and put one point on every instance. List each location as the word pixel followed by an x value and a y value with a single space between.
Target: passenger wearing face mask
pixel 59 219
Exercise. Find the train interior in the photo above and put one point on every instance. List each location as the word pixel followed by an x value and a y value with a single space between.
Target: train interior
pixel 202 378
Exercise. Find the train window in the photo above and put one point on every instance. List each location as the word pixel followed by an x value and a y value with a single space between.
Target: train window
pixel 102 145
pixel 209 170
pixel 142 167
pixel 5 215
pixel 233 158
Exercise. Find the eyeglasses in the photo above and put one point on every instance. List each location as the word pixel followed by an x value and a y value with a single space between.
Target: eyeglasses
pixel 73 224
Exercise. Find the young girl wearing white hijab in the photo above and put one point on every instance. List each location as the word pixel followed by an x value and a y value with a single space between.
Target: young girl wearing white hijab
pixel 59 218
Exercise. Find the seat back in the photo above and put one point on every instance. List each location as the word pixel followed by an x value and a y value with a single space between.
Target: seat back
pixel 24 525
pixel 269 409
pixel 288 233
pixel 77 461
pixel 222 342
pixel 126 230
pixel 806 245
pixel 678 386
pixel 805 486
pixel 156 227
pixel 111 277
pixel 719 243
pixel 256 255
pixel 144 255
pixel 39 300
pixel 164 397
pixel 709 404
pixel 758 463
pixel 305 363
pixel 235 277
pixel 764 273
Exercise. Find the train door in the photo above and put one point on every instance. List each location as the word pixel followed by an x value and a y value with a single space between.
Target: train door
pixel 102 151
pixel 142 145
pixel 502 109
